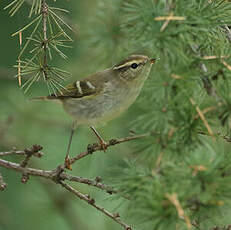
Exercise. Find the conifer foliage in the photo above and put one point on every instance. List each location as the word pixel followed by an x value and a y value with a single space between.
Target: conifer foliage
pixel 47 38
pixel 181 173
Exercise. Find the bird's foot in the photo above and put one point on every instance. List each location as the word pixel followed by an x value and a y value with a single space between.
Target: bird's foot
pixel 68 163
pixel 103 144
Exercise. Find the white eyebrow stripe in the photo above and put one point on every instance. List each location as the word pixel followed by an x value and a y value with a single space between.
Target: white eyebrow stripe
pixel 129 63
pixel 79 87
pixel 90 85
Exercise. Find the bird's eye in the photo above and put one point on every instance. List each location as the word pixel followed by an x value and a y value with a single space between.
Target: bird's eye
pixel 134 65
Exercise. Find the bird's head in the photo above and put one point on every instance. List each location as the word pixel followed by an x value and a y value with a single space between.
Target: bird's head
pixel 135 67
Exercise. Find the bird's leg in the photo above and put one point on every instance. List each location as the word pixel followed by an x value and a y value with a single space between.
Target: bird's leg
pixel 67 159
pixel 102 143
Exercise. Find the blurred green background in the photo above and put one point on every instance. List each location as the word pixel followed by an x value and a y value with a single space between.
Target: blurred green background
pixel 164 163
pixel 39 204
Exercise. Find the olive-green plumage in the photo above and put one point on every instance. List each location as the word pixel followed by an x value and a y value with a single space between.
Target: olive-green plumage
pixel 104 95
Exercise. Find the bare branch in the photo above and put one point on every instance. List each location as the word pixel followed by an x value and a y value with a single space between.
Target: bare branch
pixel 29 153
pixel 91 201
pixel 96 147
pixel 82 180
pixel 18 152
pixel 58 175
pixel 63 204
pixel 21 153
pixel 53 175
pixel 30 171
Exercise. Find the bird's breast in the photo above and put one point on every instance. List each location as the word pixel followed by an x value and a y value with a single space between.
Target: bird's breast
pixel 111 102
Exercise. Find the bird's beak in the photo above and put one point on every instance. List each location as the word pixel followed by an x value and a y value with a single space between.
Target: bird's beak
pixel 153 60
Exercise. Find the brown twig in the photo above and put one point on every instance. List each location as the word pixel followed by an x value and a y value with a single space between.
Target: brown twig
pixel 226 65
pixel 202 117
pixel 208 109
pixel 29 153
pixel 214 57
pixel 44 11
pixel 91 202
pixel 19 62
pixel 96 147
pixel 31 171
pixel 53 175
pixel 82 180
pixel 173 198
pixel 21 153
pixel 166 23
pixel 63 204
pixel 175 76
pixel 170 18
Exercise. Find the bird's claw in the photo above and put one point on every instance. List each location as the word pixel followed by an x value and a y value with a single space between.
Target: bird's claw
pixel 68 163
pixel 103 145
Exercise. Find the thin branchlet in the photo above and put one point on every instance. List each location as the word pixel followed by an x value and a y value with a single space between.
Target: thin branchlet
pixel 44 41
pixel 44 12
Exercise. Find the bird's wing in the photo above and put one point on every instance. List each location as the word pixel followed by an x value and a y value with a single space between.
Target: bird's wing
pixel 79 89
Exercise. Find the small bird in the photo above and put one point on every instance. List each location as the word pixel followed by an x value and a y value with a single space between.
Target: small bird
pixel 104 95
